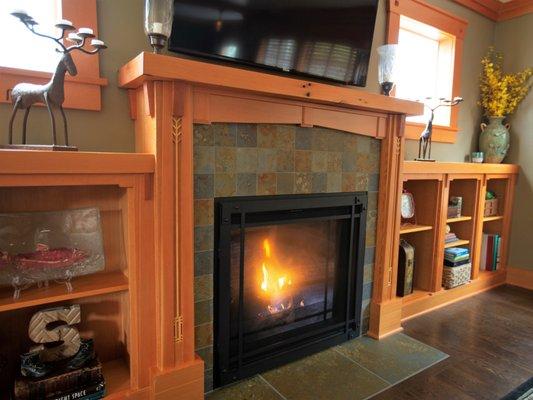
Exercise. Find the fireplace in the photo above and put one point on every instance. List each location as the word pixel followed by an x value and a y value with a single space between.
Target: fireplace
pixel 288 278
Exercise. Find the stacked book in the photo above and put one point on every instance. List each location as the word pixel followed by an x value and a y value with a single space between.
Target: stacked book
pixel 490 252
pixel 450 237
pixel 456 256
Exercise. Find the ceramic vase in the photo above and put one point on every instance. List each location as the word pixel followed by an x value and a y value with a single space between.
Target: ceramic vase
pixel 494 140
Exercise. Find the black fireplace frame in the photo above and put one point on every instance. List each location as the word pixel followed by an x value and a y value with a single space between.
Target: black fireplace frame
pixel 231 212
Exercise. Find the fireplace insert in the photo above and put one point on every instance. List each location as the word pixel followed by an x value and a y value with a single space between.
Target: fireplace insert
pixel 288 278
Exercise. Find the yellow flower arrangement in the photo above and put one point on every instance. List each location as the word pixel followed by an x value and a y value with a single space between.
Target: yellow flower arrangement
pixel 501 93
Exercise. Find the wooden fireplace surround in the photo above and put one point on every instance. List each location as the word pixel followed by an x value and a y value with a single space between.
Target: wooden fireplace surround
pixel 167 96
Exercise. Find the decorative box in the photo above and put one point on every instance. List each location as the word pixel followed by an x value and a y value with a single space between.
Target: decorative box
pixel 406 265
pixel 456 276
pixel 491 207
pixel 455 206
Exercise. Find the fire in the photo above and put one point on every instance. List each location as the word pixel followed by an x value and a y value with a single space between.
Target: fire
pixel 274 279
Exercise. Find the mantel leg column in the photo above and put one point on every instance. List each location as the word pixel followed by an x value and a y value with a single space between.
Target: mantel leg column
pixel 386 308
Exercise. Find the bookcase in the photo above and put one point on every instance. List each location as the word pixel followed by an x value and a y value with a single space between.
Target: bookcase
pixel 432 185
pixel 114 301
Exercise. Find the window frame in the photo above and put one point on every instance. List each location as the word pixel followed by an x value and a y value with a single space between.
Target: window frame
pixel 82 91
pixel 448 23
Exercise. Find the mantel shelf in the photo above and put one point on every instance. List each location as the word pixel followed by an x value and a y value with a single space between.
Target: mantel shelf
pixel 148 67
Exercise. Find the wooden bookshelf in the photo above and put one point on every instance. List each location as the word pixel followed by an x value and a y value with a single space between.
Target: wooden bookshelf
pixel 432 185
pixel 113 301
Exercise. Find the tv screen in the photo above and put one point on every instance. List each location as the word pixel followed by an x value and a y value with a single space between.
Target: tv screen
pixel 326 39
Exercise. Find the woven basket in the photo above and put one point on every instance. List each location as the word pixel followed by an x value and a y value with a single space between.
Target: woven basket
pixel 456 276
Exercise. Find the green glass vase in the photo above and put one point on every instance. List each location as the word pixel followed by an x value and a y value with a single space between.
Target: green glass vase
pixel 494 140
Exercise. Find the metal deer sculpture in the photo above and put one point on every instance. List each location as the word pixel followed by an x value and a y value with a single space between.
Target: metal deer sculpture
pixel 24 95
pixel 424 143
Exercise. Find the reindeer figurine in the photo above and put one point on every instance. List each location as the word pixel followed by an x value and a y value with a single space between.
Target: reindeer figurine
pixel 424 143
pixel 24 95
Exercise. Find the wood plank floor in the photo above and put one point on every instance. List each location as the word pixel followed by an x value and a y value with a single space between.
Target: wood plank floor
pixel 489 338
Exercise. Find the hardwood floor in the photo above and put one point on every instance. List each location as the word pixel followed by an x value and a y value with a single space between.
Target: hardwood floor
pixel 489 338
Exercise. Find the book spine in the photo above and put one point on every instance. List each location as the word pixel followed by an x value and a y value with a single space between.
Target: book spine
pixel 498 248
pixel 490 249
pixel 483 260
pixel 97 389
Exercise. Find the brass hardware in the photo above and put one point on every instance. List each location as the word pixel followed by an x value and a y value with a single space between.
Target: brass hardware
pixel 177 129
pixel 389 283
pixel 178 329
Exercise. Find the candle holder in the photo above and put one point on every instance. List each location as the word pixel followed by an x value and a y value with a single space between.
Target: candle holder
pixel 158 15
pixel 387 67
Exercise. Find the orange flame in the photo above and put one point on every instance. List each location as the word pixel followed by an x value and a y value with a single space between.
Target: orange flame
pixel 274 279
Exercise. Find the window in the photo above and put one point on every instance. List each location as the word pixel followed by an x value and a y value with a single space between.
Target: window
pixel 430 51
pixel 28 51
pixel 26 58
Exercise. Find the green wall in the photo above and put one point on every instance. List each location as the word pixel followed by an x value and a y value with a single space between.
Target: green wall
pixel 513 38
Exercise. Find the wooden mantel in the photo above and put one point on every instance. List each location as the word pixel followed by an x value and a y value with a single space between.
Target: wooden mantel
pixel 168 95
pixel 148 67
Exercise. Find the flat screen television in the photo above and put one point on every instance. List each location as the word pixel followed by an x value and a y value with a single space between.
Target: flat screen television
pixel 325 39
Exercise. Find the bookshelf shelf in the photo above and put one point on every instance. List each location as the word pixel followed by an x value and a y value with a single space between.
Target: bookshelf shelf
pixel 493 218
pixel 457 243
pixel 458 219
pixel 411 228
pixel 84 286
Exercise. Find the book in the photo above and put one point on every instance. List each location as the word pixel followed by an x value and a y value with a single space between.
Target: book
pixel 87 392
pixel 60 382
pixel 483 255
pixel 452 264
pixel 490 250
pixel 498 252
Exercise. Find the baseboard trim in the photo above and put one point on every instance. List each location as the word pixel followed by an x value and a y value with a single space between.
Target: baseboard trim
pixel 520 277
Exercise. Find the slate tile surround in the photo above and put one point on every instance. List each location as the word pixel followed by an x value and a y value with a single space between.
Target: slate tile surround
pixel 268 159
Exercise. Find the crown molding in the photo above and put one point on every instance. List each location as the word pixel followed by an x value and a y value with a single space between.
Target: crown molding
pixel 498 11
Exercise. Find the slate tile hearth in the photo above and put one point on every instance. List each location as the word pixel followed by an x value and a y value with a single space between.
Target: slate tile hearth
pixel 355 370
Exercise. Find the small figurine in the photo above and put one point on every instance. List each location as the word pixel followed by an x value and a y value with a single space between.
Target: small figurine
pixel 24 95
pixel 424 143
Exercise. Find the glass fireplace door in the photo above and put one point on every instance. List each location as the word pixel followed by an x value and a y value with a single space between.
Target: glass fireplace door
pixel 286 279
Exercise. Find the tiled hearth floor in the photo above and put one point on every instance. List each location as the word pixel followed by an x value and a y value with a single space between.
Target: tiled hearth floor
pixel 354 370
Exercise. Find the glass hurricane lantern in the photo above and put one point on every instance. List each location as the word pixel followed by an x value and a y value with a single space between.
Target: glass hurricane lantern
pixel 158 15
pixel 387 67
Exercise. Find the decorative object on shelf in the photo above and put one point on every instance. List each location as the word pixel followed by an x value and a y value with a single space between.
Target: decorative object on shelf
pixel 424 143
pixel 457 267
pixel 25 95
pixel 477 157
pixel 387 67
pixel 158 15
pixel 61 363
pixel 407 208
pixel 501 94
pixel 36 248
pixel 406 265
pixel 491 204
pixel 455 206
